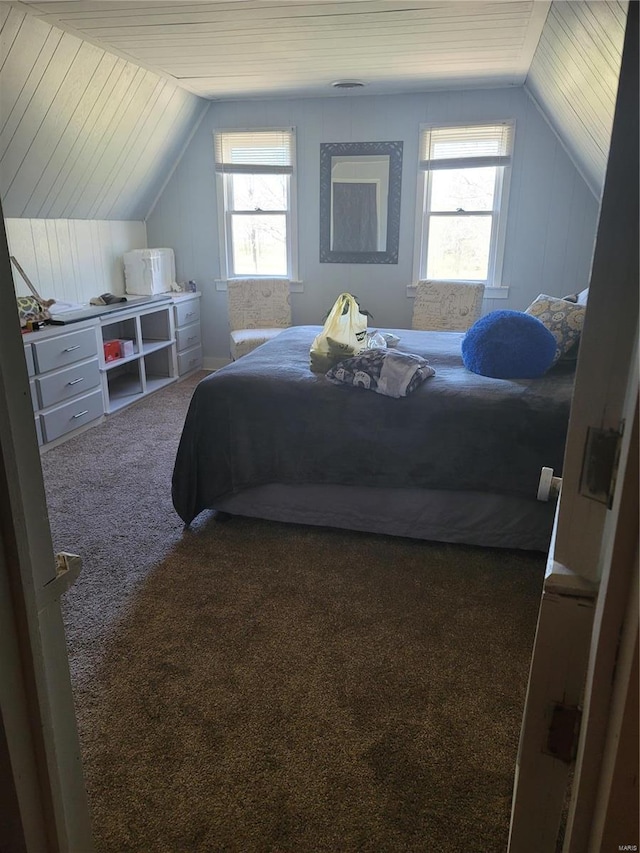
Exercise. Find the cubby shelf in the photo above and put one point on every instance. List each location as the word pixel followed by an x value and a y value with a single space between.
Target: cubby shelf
pixel 117 362
pixel 153 363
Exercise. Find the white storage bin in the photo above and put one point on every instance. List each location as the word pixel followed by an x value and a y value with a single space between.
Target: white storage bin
pixel 149 271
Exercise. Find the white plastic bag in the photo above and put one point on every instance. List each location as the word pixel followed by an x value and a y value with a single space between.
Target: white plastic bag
pixel 376 340
pixel 344 334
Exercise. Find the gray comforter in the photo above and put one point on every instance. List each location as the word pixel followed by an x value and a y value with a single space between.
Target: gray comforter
pixel 267 418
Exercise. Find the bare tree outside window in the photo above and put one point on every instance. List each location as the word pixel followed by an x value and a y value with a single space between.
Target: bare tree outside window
pixel 255 171
pixel 464 174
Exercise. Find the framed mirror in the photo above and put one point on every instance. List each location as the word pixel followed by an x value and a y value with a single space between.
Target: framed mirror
pixel 360 186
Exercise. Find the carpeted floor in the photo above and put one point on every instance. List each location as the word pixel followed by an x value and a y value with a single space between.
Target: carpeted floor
pixel 252 686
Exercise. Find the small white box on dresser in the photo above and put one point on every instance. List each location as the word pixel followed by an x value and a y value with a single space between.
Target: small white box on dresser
pixel 149 271
pixel 186 309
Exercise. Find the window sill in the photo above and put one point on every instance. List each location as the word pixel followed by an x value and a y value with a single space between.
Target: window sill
pixel 496 293
pixel 489 292
pixel 294 286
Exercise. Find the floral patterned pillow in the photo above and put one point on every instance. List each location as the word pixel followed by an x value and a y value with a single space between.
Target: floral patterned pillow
pixel 564 320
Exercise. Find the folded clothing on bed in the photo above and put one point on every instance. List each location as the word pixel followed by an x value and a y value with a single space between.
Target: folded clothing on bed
pixel 394 374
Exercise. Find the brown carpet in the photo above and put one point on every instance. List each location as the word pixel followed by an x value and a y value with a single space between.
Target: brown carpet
pixel 253 686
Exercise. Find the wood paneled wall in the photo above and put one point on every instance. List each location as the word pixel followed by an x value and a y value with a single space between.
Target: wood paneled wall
pixel 84 134
pixel 72 260
pixel 574 79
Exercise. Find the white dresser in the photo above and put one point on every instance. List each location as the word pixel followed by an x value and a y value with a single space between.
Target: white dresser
pixel 186 308
pixel 73 384
pixel 64 379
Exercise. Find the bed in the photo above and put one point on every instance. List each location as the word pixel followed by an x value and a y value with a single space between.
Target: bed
pixel 458 460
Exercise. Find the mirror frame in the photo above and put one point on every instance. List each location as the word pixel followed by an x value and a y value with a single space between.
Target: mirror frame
pixel 360 149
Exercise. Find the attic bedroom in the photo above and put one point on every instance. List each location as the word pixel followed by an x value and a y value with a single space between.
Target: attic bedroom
pixel 303 614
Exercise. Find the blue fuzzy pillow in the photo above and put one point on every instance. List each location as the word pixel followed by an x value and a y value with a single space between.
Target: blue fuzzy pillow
pixel 508 345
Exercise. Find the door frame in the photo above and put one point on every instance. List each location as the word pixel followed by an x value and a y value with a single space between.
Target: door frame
pixel 47 804
pixel 593 557
pixel 609 678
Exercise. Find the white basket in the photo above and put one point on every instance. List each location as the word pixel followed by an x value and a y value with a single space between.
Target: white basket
pixel 149 271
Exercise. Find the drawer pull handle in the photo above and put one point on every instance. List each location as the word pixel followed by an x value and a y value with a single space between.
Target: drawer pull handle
pixel 80 414
pixel 75 381
pixel 189 314
pixel 71 349
pixel 193 338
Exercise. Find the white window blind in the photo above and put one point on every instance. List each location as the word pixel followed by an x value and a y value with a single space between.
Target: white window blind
pixel 466 147
pixel 255 152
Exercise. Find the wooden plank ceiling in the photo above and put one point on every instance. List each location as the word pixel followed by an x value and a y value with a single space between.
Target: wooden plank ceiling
pixel 574 79
pixel 233 49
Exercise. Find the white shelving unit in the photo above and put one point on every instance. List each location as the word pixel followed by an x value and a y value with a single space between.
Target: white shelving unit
pixel 73 385
pixel 153 363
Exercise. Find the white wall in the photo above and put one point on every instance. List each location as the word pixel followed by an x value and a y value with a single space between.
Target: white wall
pixel 552 218
pixel 72 260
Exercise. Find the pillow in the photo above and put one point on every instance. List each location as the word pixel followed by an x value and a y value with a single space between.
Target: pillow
pixel 508 345
pixel 563 319
pixel 392 373
pixel 571 355
pixel 580 298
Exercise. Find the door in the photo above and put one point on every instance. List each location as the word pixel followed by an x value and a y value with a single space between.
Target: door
pixel 44 804
pixel 593 559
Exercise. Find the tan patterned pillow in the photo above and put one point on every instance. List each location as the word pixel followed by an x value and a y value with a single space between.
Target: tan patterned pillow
pixel 30 309
pixel 564 320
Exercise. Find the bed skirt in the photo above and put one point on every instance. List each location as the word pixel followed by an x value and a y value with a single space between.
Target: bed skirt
pixel 472 518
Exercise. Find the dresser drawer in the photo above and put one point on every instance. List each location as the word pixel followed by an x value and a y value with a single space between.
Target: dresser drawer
pixel 28 355
pixel 191 359
pixel 65 349
pixel 63 419
pixel 63 384
pixel 187 337
pixel 187 312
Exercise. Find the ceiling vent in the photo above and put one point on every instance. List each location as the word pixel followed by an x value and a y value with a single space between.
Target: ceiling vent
pixel 348 84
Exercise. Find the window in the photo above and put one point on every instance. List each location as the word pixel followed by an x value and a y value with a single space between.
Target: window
pixel 464 186
pixel 255 171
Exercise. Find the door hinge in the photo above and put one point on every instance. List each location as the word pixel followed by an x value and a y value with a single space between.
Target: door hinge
pixel 600 464
pixel 564 728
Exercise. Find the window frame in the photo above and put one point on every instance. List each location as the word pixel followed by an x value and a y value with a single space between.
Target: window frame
pixel 494 286
pixel 225 213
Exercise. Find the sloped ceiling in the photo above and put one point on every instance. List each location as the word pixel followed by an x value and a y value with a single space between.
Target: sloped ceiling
pixel 574 79
pixel 84 134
